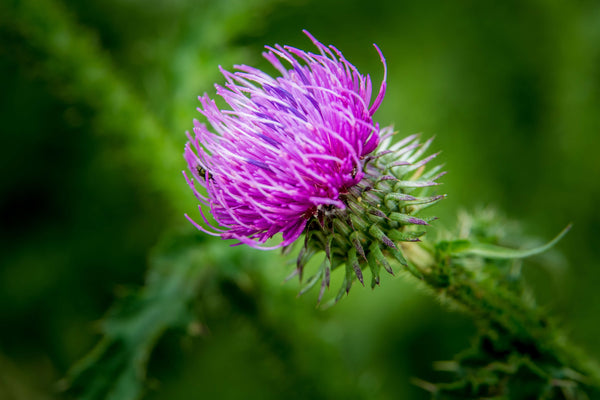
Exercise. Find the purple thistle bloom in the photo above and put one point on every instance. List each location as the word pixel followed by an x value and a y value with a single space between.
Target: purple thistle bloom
pixel 288 146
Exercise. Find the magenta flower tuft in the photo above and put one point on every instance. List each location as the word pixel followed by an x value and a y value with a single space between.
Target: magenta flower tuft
pixel 287 147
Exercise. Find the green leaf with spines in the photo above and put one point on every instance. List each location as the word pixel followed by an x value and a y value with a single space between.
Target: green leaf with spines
pixel 355 239
pixel 416 208
pixel 358 222
pixel 421 183
pixel 342 227
pixel 419 151
pixel 399 197
pixel 314 278
pixel 380 258
pixel 407 219
pixel 413 167
pixel 353 261
pixel 398 255
pixel 375 269
pixel 406 236
pixel 326 277
pixel 433 173
pixel 377 233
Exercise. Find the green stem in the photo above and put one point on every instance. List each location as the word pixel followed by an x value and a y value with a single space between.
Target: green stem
pixel 505 314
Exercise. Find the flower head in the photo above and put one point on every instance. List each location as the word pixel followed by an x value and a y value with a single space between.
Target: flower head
pixel 301 154
pixel 287 147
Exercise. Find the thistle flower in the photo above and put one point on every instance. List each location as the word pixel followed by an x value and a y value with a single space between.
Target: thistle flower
pixel 296 154
pixel 288 146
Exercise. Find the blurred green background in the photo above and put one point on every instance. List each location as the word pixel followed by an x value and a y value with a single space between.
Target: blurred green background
pixel 95 98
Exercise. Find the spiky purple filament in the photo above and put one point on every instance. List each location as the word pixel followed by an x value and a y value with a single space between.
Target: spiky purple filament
pixel 288 146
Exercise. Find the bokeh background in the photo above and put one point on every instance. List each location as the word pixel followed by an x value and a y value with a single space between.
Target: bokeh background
pixel 95 99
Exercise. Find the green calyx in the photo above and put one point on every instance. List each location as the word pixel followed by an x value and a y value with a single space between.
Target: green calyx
pixel 381 212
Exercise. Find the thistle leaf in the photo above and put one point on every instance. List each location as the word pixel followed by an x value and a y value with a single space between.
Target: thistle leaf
pixel 498 252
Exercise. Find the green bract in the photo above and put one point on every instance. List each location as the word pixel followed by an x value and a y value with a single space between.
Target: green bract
pixel 382 212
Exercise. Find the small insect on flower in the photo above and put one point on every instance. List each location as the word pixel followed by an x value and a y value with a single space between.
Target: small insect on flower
pixel 203 173
pixel 288 147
